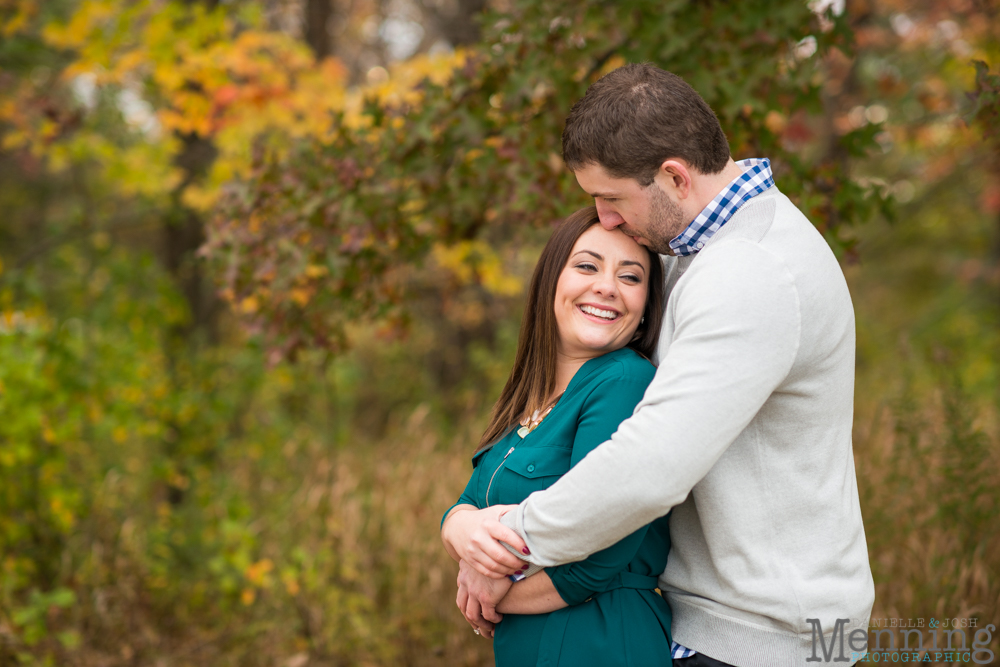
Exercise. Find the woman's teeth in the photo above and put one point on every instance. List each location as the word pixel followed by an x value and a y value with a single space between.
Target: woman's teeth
pixel 597 312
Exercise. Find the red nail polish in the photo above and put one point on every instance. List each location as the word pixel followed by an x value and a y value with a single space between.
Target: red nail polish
pixel 525 551
pixel 519 572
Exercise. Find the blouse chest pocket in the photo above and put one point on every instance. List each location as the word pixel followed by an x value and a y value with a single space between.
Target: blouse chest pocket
pixel 530 469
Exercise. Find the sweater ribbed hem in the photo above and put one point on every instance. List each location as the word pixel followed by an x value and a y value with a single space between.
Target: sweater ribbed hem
pixel 739 643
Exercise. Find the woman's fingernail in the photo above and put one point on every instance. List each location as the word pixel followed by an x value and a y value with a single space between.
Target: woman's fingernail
pixel 519 572
pixel 525 551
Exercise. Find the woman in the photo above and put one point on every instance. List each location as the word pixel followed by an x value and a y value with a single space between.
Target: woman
pixel 591 321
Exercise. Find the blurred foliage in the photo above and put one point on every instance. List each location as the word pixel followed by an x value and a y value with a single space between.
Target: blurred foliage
pixel 927 294
pixel 323 232
pixel 370 198
pixel 986 99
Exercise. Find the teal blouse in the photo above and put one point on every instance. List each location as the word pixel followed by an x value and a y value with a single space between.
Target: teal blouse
pixel 615 617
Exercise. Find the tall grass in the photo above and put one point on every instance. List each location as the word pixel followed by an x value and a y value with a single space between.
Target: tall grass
pixel 928 477
pixel 311 548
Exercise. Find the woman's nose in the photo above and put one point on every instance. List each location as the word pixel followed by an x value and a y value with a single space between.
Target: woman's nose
pixel 604 284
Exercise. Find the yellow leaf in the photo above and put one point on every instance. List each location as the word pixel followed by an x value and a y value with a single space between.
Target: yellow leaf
pixel 199 198
pixel 613 63
pixel 87 18
pixel 316 271
pixel 257 572
pixel 24 11
pixel 291 584
pixel 130 61
pixel 249 305
pixel 300 295
pixel 775 121
pixel 14 139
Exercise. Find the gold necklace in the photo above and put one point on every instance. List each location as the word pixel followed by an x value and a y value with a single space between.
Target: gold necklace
pixel 530 424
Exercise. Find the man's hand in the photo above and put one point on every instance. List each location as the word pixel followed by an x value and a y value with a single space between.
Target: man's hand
pixel 478 597
pixel 474 536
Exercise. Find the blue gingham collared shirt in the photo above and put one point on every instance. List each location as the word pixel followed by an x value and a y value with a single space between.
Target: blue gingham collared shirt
pixel 678 651
pixel 755 179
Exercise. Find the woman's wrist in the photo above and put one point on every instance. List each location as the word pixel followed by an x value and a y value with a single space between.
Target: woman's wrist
pixel 447 536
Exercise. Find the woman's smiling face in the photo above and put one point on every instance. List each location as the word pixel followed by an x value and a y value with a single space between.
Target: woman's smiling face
pixel 601 293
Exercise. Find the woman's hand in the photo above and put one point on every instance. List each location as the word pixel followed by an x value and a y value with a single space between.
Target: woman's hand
pixel 478 597
pixel 475 535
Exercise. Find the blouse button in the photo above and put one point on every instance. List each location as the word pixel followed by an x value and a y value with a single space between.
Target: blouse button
pixel 531 467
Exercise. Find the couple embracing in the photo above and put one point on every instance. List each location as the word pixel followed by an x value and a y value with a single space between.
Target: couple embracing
pixel 678 416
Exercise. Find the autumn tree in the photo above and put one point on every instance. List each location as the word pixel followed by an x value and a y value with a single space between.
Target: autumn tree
pixel 459 164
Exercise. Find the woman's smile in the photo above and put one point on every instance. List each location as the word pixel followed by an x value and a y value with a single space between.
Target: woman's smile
pixel 599 313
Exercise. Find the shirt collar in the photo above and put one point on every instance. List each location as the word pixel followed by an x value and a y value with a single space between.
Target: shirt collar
pixel 755 179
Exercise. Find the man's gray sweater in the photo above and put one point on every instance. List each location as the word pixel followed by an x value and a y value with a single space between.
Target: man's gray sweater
pixel 745 433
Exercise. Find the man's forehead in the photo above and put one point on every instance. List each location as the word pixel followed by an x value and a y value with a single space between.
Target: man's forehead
pixel 598 183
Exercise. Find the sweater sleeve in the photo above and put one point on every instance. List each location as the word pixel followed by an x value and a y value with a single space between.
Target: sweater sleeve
pixel 608 405
pixel 736 334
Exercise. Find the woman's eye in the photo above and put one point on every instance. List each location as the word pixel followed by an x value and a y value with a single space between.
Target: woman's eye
pixel 630 278
pixel 586 266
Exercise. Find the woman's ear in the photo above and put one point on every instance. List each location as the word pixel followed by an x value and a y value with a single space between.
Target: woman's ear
pixel 640 330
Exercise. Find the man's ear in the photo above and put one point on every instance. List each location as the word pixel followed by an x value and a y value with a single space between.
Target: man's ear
pixel 674 177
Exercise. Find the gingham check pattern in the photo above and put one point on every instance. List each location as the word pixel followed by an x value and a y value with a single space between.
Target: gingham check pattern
pixel 678 651
pixel 755 179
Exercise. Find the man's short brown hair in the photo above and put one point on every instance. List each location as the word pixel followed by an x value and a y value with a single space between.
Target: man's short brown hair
pixel 637 116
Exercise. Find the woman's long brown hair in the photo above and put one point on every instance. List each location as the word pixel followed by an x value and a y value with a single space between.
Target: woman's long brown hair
pixel 533 377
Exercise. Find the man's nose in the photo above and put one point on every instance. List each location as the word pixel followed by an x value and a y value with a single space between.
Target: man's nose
pixel 609 217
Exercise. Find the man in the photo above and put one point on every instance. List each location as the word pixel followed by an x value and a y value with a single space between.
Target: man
pixel 745 433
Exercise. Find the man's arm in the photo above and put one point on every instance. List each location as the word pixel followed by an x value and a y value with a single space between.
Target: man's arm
pixel 482 597
pixel 534 595
pixel 734 342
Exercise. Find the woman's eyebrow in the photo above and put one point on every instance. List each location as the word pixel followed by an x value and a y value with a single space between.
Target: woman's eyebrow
pixel 624 262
